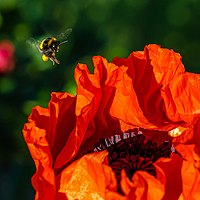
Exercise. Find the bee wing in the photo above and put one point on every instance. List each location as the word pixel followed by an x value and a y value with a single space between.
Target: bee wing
pixel 33 43
pixel 64 34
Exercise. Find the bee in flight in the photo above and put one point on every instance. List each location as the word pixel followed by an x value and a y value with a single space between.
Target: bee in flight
pixel 48 47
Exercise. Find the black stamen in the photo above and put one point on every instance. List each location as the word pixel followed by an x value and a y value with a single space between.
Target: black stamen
pixel 132 153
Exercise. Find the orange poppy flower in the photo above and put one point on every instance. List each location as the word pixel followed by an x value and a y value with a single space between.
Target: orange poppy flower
pixel 113 140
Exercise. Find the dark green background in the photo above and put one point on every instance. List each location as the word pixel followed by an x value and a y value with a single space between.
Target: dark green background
pixel 100 27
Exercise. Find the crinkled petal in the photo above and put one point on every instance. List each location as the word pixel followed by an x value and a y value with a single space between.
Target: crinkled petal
pixel 180 175
pixel 116 88
pixel 61 106
pixel 191 181
pixel 169 174
pixel 84 179
pixel 44 179
pixel 182 99
pixel 148 72
pixel 190 171
pixel 142 186
pixel 44 135
pixel 87 102
pixel 188 136
pixel 167 64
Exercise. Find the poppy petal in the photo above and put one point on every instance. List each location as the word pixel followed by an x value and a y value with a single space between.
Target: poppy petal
pixel 182 98
pixel 44 180
pixel 87 101
pixel 81 179
pixel 170 175
pixel 39 134
pixel 146 187
pixel 191 181
pixel 149 72
pixel 190 171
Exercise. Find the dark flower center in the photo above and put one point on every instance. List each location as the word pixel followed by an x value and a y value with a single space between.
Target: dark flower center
pixel 132 153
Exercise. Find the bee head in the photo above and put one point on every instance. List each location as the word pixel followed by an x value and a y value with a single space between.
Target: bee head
pixel 55 45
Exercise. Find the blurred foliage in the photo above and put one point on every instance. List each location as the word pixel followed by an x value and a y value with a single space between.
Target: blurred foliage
pixel 100 27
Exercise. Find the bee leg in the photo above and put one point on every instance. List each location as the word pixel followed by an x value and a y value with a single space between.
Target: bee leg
pixel 54 60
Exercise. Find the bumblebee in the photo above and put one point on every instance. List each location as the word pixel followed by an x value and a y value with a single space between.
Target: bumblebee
pixel 48 47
